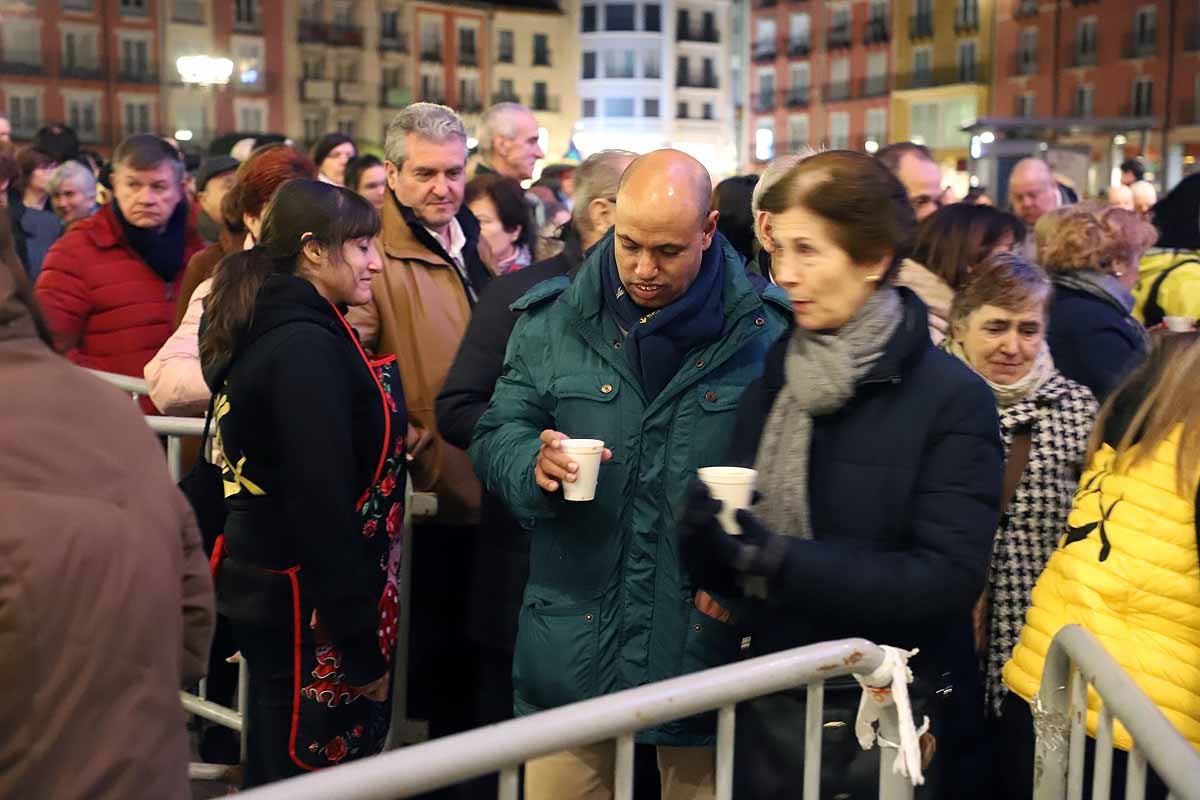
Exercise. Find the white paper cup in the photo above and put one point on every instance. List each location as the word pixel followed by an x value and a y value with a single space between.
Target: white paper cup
pixel 734 487
pixel 586 453
pixel 1179 324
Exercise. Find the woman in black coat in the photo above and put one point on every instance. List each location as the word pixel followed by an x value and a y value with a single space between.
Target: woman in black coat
pixel 879 462
pixel 312 435
pixel 1091 252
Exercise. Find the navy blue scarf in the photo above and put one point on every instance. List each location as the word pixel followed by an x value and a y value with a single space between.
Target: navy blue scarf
pixel 656 344
pixel 163 252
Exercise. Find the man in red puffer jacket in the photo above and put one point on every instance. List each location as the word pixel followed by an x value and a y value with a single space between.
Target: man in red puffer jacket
pixel 108 286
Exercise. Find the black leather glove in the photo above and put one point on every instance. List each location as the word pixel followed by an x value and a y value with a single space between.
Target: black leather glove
pixel 718 561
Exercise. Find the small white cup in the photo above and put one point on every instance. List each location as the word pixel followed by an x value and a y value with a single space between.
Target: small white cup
pixel 1180 324
pixel 734 487
pixel 586 453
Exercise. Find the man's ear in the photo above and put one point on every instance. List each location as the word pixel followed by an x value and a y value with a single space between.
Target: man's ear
pixel 393 175
pixel 710 227
pixel 762 230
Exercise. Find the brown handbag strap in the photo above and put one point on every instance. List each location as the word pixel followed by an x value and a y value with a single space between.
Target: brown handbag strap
pixel 1014 467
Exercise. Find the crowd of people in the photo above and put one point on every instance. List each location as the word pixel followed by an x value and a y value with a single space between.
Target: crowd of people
pixel 971 426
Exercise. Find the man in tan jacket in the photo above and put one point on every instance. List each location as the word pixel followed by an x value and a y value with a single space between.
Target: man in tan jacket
pixel 435 265
pixel 434 268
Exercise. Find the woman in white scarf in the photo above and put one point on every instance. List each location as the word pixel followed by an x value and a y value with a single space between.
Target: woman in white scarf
pixel 998 329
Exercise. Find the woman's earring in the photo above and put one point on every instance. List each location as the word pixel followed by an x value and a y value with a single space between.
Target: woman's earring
pixel 873 278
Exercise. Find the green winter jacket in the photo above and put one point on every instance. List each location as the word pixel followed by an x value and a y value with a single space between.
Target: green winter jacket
pixel 608 605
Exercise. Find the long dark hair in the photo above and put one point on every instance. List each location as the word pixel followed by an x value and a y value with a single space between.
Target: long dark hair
pixel 958 237
pixel 331 214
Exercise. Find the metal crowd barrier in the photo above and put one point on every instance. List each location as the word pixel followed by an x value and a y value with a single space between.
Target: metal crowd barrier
pixel 1075 661
pixel 505 747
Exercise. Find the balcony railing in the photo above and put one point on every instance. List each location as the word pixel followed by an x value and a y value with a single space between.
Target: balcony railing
pixel 799 48
pixel 1138 110
pixel 77 5
pixel 873 87
pixel 837 92
pixel 765 3
pixel 311 31
pixel 317 90
pixel 252 24
pixel 1025 9
pixel 838 39
pixel 876 32
pixel 966 21
pixel 920 26
pixel 470 105
pixel 764 101
pixel 544 103
pixel 1025 63
pixel 351 93
pixel 763 51
pixel 432 55
pixel 945 76
pixel 21 65
pixel 83 72
pixel 395 96
pixel 1083 58
pixel 393 43
pixel 707 35
pixel 190 12
pixel 1143 46
pixel 505 97
pixel 468 58
pixel 345 35
pixel 137 73
pixel 542 58
pixel 799 97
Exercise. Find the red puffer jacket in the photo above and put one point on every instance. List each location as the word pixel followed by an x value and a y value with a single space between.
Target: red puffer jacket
pixel 107 308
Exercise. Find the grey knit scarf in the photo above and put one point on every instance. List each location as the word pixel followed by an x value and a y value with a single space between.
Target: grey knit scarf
pixel 822 370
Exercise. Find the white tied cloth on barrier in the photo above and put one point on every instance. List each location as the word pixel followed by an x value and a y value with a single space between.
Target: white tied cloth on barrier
pixel 886 686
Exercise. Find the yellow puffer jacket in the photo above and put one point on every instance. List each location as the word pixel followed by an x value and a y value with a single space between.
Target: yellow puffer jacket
pixel 1127 571
pixel 1179 292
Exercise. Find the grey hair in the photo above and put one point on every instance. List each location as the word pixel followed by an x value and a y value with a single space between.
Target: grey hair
pixel 597 178
pixel 775 170
pixel 498 121
pixel 430 121
pixel 73 170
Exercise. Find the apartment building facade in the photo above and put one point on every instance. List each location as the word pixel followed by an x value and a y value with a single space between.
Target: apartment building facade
pixel 656 74
pixel 819 76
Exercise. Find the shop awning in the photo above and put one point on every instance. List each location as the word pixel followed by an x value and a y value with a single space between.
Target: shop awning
pixel 1063 124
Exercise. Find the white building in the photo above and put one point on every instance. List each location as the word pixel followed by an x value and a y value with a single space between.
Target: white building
pixel 657 74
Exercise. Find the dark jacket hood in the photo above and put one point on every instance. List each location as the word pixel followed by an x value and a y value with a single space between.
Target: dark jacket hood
pixel 1177 216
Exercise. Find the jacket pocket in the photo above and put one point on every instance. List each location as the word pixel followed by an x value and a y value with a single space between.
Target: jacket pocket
pixel 708 643
pixel 712 432
pixel 555 660
pixel 586 408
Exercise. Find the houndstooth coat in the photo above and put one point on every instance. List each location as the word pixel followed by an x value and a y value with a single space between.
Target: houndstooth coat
pixel 1061 414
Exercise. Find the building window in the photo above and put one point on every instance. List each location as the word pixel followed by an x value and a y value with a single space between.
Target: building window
pixel 1145 30
pixel 541 99
pixel 82 116
pixel 22 42
pixel 618 106
pixel 1027 54
pixel 188 11
pixel 652 18
pixel 839 130
pixel 618 17
pixel 800 80
pixel 541 50
pixel 393 78
pixel 314 127
pixel 681 110
pixel 709 74
pixel 765 100
pixel 504 48
pixel 587 20
pixel 343 13
pixel 467 54
pixel 507 92
pixel 877 125
pixel 247 66
pixel 650 107
pixel 347 71
pixel 589 64
pixel 135 59
pixel 313 68
pixel 468 94
pixel 799 35
pixel 1143 96
pixel 133 8
pixel 877 74
pixel 251 118
pixel 24 113
pixel 839 26
pixel 922 67
pixel 764 140
pixel 137 117
pixel 245 14
pixel 431 40
pixel 967 61
pixel 707 111
pixel 1025 105
pixel 682 78
pixel 797 133
pixel 589 108
pixel 1085 42
pixel 1084 96
pixel 79 53
pixel 652 65
pixel 346 126
pixel 619 64
pixel 966 16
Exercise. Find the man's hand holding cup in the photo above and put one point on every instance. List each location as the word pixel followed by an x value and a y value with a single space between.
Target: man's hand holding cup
pixel 573 464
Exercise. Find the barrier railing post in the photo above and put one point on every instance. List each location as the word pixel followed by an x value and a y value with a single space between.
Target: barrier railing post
pixel 623 780
pixel 726 724
pixel 892 785
pixel 814 705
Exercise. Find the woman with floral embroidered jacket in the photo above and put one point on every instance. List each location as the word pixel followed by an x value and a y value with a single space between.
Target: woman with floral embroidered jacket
pixel 312 433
